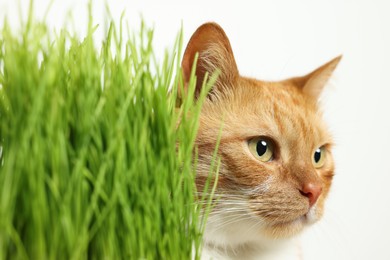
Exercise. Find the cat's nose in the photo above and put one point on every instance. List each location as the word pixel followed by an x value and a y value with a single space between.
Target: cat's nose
pixel 312 191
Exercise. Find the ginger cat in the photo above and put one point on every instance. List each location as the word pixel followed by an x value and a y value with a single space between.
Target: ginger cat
pixel 276 162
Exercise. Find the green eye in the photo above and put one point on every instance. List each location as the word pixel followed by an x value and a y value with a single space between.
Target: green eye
pixel 261 148
pixel 319 157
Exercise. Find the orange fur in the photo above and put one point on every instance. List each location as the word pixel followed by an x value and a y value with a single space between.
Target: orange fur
pixel 269 198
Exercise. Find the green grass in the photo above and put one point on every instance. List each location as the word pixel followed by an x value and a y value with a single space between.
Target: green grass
pixel 93 164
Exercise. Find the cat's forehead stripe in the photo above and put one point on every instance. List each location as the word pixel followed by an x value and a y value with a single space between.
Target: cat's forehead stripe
pixel 287 112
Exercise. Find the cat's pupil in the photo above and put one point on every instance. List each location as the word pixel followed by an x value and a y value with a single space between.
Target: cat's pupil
pixel 317 155
pixel 261 147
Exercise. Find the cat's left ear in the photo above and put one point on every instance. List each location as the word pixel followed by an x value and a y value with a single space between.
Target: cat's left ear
pixel 313 83
pixel 215 54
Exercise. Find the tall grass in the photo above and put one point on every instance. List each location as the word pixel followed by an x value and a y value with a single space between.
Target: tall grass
pixel 93 164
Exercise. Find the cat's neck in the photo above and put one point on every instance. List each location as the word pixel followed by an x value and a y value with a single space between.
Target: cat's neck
pixel 256 250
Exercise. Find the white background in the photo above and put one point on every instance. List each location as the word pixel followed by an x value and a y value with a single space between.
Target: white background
pixel 276 39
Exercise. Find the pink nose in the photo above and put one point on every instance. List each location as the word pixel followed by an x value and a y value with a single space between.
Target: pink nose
pixel 312 191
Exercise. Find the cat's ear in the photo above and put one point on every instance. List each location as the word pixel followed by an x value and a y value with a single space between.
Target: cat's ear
pixel 214 53
pixel 313 83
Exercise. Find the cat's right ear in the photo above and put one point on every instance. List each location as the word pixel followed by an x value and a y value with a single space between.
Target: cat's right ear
pixel 214 53
pixel 313 83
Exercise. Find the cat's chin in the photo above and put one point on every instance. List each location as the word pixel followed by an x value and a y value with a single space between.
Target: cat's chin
pixel 285 229
pixel 291 228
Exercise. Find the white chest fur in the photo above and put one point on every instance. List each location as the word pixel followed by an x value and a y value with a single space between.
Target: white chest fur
pixel 286 250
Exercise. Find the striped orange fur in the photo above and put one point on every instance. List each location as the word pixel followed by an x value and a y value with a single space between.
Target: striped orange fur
pixel 259 202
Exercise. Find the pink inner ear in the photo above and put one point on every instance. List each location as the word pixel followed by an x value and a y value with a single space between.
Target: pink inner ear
pixel 213 47
pixel 314 83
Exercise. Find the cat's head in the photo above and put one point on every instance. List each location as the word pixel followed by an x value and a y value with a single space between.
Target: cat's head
pixel 276 161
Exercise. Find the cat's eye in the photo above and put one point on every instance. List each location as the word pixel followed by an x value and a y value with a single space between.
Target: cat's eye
pixel 319 157
pixel 262 148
